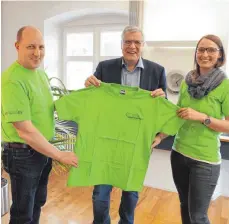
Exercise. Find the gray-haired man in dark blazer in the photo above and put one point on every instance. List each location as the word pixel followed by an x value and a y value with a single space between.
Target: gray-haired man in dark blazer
pixel 131 70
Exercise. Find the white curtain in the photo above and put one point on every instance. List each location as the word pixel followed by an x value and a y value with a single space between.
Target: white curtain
pixel 136 13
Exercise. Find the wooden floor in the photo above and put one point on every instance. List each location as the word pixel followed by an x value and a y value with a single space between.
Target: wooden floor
pixel 73 206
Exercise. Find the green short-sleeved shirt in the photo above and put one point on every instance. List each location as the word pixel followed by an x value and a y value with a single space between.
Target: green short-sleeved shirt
pixel 26 95
pixel 117 125
pixel 195 139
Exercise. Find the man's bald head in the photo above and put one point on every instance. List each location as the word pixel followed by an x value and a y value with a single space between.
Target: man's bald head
pixel 30 47
pixel 20 32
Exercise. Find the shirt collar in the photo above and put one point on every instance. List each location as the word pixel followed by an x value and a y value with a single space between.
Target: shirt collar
pixel 139 64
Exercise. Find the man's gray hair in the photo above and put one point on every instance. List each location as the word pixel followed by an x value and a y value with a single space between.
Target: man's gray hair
pixel 132 29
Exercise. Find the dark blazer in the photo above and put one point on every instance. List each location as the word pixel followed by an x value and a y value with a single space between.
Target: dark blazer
pixel 152 76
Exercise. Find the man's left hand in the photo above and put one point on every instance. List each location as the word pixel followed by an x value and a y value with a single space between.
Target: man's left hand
pixel 158 92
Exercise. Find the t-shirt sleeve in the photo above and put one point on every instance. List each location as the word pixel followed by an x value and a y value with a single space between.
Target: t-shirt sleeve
pixel 180 94
pixel 15 103
pixel 71 107
pixel 168 122
pixel 225 101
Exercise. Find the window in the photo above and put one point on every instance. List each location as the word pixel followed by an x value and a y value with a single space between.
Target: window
pixel 84 47
pixel 77 72
pixel 110 44
pixel 80 44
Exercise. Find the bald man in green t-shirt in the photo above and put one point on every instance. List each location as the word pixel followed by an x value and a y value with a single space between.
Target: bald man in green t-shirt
pixel 27 126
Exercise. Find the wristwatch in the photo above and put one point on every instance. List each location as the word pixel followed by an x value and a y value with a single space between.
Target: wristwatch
pixel 207 121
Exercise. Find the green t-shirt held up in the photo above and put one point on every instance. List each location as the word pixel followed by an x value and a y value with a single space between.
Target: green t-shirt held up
pixel 26 95
pixel 117 125
pixel 194 139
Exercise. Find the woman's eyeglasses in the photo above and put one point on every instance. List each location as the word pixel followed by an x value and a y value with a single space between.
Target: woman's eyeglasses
pixel 210 50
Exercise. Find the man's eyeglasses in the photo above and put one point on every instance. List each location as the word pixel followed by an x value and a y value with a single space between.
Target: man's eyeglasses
pixel 210 50
pixel 137 43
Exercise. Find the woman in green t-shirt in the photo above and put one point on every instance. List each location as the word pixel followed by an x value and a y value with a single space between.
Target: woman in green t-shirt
pixel 195 158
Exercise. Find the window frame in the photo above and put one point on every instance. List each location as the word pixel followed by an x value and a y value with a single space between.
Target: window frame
pixel 96 29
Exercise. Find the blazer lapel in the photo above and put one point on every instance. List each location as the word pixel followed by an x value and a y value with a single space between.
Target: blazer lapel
pixel 144 77
pixel 116 71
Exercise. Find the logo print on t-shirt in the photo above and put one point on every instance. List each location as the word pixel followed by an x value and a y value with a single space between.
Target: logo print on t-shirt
pixel 123 91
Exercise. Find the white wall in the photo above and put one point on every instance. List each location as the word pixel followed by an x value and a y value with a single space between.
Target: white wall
pixel 169 23
pixel 173 59
pixel 52 60
pixel 17 14
pixel 185 19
